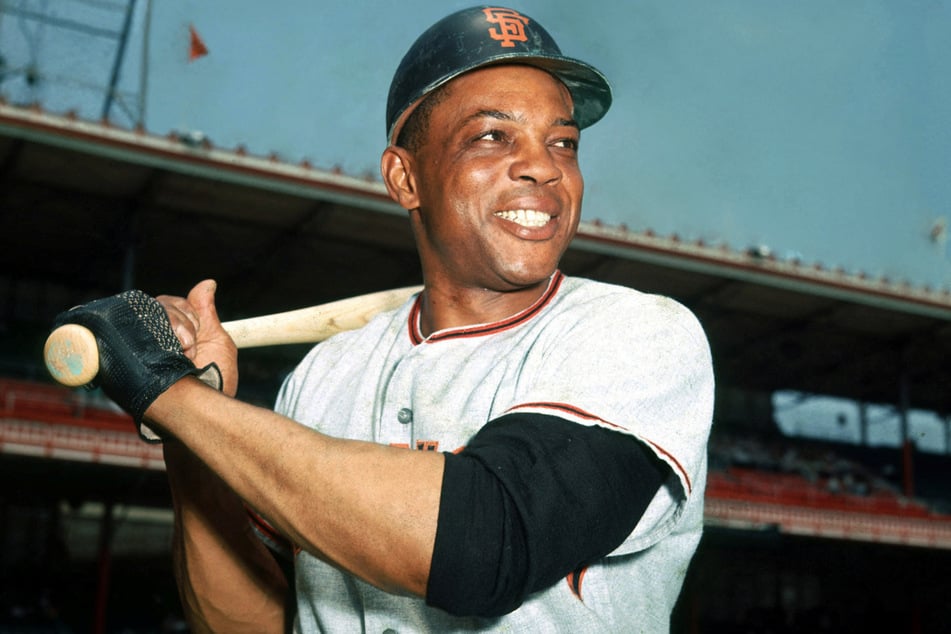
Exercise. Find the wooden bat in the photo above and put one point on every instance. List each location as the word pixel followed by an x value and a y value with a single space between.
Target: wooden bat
pixel 72 355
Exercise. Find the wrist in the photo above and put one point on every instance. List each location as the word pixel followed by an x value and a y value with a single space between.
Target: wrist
pixel 174 404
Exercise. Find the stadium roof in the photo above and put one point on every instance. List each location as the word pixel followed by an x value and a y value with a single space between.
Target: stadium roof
pixel 89 209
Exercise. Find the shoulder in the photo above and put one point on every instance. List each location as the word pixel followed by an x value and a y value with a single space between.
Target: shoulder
pixel 594 330
pixel 385 325
pixel 348 352
pixel 600 305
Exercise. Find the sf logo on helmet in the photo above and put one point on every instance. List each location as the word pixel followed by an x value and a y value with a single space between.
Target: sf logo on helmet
pixel 511 25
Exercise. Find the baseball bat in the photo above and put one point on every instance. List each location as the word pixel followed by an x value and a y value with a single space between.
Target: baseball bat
pixel 72 355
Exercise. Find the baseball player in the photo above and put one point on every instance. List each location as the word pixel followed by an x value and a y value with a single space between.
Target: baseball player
pixel 512 450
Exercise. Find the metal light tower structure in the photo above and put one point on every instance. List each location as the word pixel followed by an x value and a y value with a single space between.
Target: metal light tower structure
pixel 73 55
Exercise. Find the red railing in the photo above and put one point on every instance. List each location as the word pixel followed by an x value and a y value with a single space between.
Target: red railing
pixel 793 489
pixel 48 421
pixel 53 421
pixel 54 404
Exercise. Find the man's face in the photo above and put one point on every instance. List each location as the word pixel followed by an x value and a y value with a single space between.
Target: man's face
pixel 498 183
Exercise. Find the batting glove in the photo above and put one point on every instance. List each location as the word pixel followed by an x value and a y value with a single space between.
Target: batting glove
pixel 139 355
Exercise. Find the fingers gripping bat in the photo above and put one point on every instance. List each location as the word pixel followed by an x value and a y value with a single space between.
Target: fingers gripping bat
pixel 72 355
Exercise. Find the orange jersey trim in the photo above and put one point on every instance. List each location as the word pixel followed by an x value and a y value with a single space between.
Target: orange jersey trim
pixel 482 330
pixel 574 580
pixel 584 415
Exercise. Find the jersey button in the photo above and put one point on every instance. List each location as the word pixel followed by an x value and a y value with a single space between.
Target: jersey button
pixel 405 416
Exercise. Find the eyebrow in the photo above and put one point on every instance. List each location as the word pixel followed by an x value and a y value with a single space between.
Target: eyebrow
pixel 505 116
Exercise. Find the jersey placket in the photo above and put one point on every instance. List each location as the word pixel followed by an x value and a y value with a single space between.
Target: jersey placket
pixel 398 424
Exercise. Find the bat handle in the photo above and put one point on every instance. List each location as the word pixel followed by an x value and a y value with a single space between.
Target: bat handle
pixel 72 355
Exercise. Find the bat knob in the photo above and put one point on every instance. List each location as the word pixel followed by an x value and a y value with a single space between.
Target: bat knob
pixel 72 355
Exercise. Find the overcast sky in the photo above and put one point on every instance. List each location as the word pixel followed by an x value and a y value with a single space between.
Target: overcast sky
pixel 818 129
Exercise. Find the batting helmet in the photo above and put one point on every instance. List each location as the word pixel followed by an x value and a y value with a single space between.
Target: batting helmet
pixel 480 36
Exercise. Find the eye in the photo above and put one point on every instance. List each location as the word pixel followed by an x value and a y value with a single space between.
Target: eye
pixel 567 143
pixel 491 135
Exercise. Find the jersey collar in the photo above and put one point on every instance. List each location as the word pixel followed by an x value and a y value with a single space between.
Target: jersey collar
pixel 482 330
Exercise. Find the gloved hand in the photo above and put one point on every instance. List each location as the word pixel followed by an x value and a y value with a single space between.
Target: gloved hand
pixel 139 355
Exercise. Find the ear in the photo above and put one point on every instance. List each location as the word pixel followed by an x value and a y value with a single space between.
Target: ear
pixel 396 165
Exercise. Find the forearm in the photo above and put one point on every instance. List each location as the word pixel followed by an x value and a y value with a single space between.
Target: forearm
pixel 367 508
pixel 227 580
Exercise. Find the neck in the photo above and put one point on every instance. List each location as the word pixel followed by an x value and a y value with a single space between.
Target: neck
pixel 451 307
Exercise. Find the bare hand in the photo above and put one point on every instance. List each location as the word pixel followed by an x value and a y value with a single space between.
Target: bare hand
pixel 196 324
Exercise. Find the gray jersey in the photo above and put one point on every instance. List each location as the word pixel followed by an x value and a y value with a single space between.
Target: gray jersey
pixel 589 352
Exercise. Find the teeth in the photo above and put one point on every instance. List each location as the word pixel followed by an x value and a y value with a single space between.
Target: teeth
pixel 525 217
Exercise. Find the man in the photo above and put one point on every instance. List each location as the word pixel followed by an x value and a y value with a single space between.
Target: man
pixel 512 450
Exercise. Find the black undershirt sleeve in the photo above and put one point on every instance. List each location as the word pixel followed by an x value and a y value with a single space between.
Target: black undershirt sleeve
pixel 531 499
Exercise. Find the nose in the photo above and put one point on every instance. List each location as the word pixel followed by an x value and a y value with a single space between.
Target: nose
pixel 534 161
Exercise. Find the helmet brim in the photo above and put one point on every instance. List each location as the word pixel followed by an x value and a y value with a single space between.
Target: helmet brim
pixel 589 88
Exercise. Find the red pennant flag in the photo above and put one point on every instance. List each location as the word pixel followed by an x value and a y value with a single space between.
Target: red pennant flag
pixel 196 47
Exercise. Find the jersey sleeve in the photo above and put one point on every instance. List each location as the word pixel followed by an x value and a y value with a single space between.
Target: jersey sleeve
pixel 530 500
pixel 639 364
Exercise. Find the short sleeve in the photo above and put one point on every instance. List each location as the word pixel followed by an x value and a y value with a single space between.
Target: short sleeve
pixel 639 364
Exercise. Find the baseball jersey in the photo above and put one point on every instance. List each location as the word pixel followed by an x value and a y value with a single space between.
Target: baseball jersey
pixel 586 351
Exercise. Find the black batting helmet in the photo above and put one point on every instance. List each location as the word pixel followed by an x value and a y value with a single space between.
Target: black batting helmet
pixel 480 36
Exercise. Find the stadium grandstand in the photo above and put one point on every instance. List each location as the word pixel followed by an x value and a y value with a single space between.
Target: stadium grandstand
pixel 803 534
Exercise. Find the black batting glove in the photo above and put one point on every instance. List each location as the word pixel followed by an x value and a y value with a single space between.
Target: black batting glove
pixel 139 355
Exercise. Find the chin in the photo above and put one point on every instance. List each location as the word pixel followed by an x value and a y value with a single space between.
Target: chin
pixel 525 276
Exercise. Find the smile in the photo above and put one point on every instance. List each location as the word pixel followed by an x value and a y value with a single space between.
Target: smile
pixel 525 217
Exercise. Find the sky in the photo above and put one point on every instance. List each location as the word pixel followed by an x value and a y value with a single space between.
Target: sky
pixel 816 129
pixel 840 420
